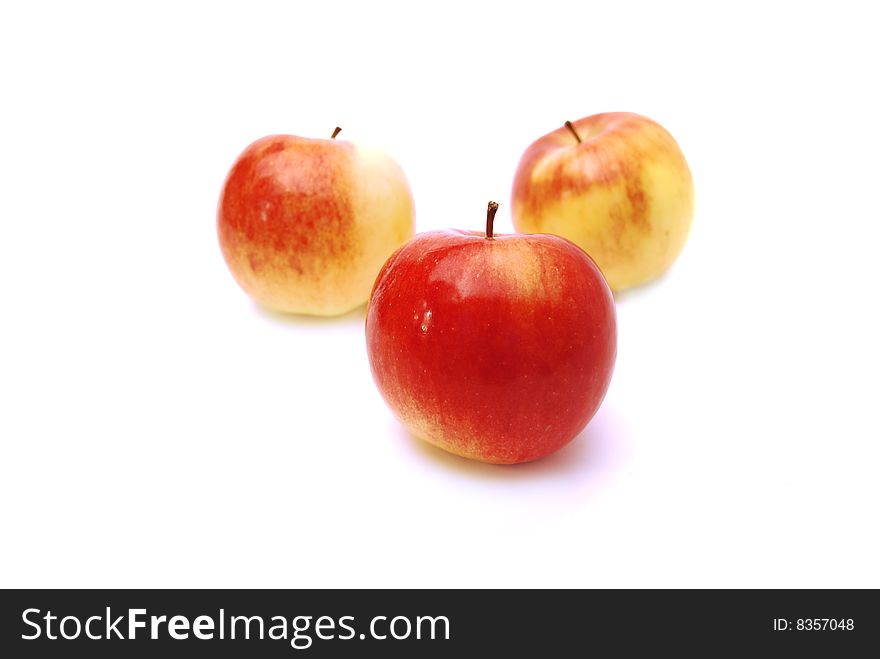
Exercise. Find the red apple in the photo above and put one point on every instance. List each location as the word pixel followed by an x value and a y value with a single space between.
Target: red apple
pixel 495 348
pixel 618 185
pixel 305 225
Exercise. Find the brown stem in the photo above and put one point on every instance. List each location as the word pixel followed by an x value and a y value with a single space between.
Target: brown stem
pixel 490 218
pixel 337 129
pixel 570 127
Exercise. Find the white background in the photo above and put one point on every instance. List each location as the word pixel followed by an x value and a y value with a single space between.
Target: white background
pixel 157 429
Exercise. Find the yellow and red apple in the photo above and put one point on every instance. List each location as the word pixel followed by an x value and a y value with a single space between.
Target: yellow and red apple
pixel 618 185
pixel 498 348
pixel 306 224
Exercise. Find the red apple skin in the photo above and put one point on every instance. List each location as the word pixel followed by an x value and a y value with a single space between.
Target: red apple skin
pixel 305 224
pixel 496 349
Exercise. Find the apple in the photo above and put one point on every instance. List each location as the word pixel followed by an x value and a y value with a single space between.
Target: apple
pixel 497 348
pixel 305 224
pixel 618 185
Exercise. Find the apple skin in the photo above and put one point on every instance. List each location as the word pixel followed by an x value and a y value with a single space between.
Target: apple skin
pixel 495 349
pixel 305 225
pixel 624 194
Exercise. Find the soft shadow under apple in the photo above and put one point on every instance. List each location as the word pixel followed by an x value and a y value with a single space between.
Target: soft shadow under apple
pixel 354 317
pixel 585 455
pixel 636 292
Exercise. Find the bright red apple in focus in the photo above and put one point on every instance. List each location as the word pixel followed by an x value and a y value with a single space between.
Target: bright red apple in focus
pixel 495 348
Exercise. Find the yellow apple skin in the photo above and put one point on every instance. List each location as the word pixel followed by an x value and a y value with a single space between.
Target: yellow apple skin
pixel 305 225
pixel 624 194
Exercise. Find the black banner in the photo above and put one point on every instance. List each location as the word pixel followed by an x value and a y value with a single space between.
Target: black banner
pixel 436 623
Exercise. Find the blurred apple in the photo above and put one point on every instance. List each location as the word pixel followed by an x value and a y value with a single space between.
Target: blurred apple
pixel 616 184
pixel 306 224
pixel 495 348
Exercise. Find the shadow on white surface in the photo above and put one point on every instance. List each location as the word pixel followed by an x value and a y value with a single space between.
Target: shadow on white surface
pixel 356 316
pixel 643 290
pixel 594 451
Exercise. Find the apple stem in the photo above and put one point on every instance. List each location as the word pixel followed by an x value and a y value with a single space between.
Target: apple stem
pixel 570 127
pixel 490 218
pixel 338 129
